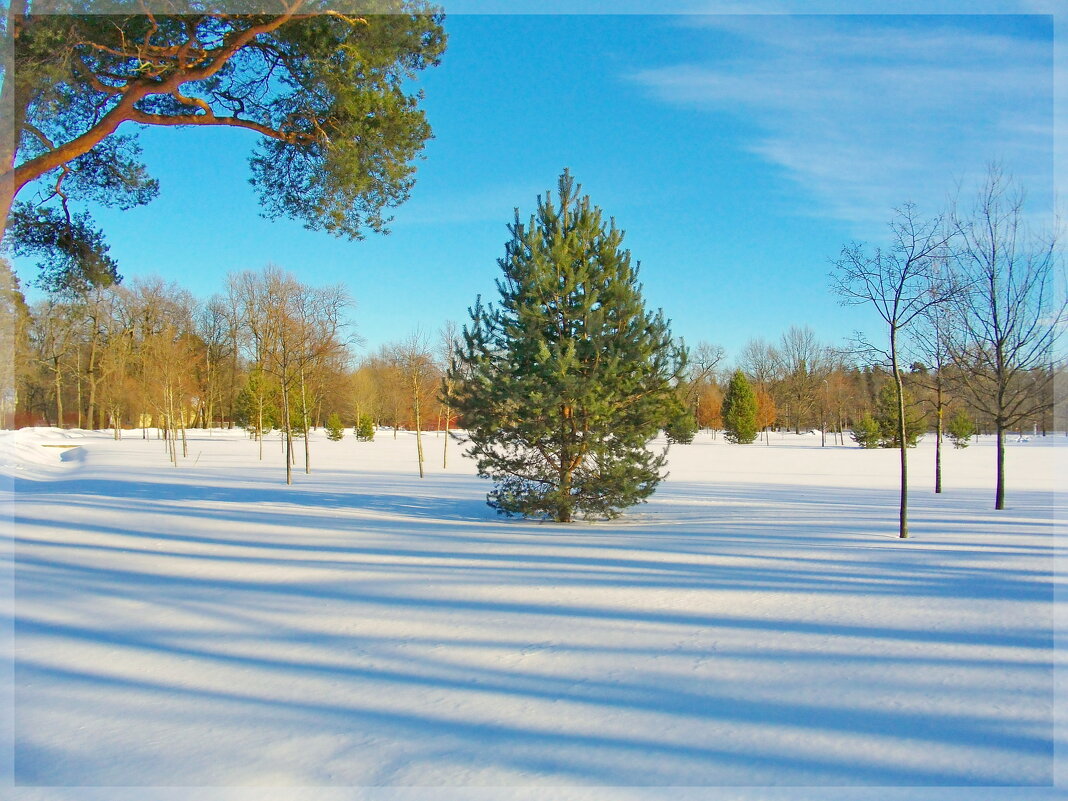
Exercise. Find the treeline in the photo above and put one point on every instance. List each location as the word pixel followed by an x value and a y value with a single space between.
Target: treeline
pixel 802 384
pixel 272 354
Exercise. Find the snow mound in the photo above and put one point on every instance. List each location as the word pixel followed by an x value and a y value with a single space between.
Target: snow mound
pixel 38 447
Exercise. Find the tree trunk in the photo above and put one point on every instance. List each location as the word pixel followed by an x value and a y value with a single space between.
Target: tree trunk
pixel 170 428
pixel 259 425
pixel 288 435
pixel 233 395
pixel 91 377
pixel 78 385
pixel 999 493
pixel 563 509
pixel 418 424
pixel 903 525
pixel 563 512
pixel 938 440
pixel 59 394
pixel 445 449
pixel 304 421
pixel 10 106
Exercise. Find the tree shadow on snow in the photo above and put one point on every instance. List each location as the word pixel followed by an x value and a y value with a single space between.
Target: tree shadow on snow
pixel 435 634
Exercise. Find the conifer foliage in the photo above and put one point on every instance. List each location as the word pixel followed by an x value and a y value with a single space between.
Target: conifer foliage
pixel 564 383
pixel 740 411
pixel 961 429
pixel 335 431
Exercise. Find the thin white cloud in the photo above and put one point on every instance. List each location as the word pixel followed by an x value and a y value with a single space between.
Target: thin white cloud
pixel 865 113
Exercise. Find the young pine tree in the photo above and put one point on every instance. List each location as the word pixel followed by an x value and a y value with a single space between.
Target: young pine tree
pixel 334 429
pixel 740 411
pixel 961 428
pixel 565 382
pixel 867 432
pixel 682 427
pixel 365 428
pixel 886 415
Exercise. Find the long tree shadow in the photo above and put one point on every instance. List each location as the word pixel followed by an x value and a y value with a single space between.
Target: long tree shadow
pixel 494 619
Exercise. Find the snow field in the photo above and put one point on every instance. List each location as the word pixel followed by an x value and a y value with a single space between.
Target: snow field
pixel 757 623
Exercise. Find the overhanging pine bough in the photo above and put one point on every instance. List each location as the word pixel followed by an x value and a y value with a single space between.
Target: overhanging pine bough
pixel 321 83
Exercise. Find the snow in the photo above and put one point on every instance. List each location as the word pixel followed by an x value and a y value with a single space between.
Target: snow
pixel 757 624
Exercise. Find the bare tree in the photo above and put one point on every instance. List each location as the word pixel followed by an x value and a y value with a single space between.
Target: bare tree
pixel 363 391
pixel 117 385
pixel 1007 322
pixel 317 314
pixel 255 330
pixel 96 310
pixel 213 325
pixel 700 375
pixel 824 372
pixel 52 340
pixel 900 284
pixel 391 393
pixel 169 354
pixel 450 341
pixel 761 364
pixel 291 330
pixel 415 362
pixel 760 361
pixel 271 338
pixel 799 357
pixel 930 341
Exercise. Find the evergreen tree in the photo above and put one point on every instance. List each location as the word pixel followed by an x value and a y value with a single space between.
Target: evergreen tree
pixel 886 415
pixel 334 430
pixel 682 427
pixel 256 407
pixel 563 385
pixel 365 428
pixel 961 428
pixel 867 432
pixel 740 411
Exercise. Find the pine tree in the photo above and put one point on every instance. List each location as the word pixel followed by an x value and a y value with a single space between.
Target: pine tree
pixel 334 429
pixel 682 427
pixel 886 415
pixel 961 428
pixel 867 432
pixel 740 411
pixel 365 428
pixel 563 385
pixel 256 407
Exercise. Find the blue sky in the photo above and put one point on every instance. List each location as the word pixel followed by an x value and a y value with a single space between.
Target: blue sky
pixel 739 153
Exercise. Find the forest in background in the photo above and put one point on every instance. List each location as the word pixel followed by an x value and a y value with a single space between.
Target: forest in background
pixel 147 353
